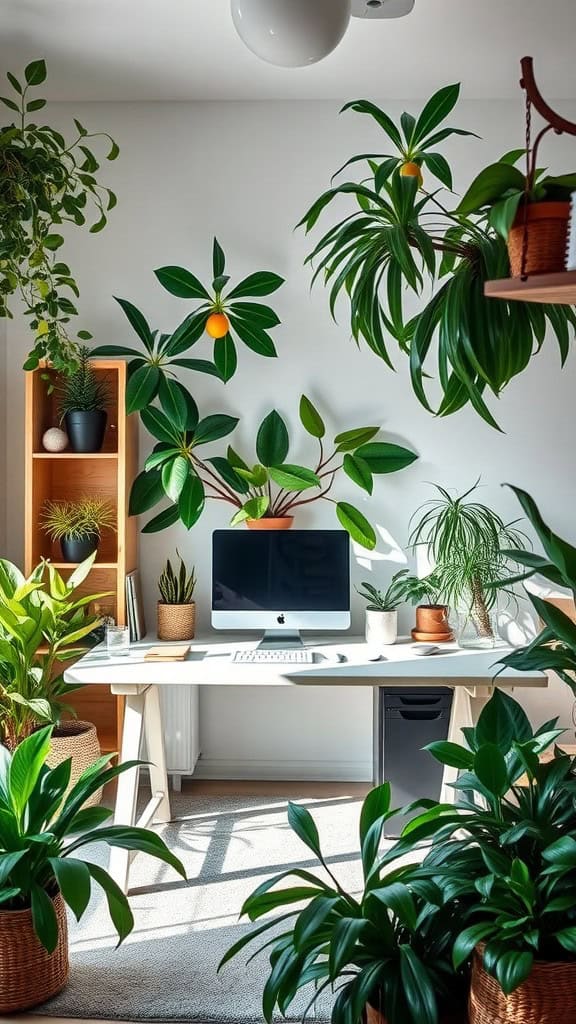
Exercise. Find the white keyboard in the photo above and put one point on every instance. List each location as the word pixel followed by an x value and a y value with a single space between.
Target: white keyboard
pixel 298 656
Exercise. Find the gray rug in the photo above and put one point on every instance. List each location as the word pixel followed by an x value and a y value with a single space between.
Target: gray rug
pixel 166 969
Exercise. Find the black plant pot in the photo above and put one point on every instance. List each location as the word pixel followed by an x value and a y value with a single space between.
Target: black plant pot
pixel 86 430
pixel 78 550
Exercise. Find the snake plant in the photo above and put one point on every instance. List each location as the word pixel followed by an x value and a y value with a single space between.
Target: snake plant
pixel 177 587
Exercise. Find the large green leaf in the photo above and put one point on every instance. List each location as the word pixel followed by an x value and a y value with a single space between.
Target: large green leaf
pixel 302 823
pixel 181 282
pixel 512 968
pixel 225 357
pixel 254 336
pixel 502 721
pixel 382 457
pixel 118 906
pixel 440 168
pixel 293 478
pixel 25 768
pixel 73 878
pixel 229 474
pixel 187 334
pixel 191 501
pixel 199 365
pixel 256 313
pixel 359 471
pixel 142 388
pixel 343 941
pixel 418 988
pixel 158 424
pixel 435 110
pixel 350 440
pixel 385 122
pixel 261 283
pixel 212 428
pixel 490 768
pixel 178 405
pixel 163 520
pixel 254 508
pixel 356 525
pixel 138 321
pixel 311 419
pixel 272 442
pixel 146 492
pixel 218 259
pixel 490 185
pixel 175 473
pixel 35 72
pixel 44 918
pixel 451 754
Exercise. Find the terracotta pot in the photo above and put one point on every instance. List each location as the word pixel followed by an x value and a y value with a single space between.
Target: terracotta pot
pixel 28 974
pixel 432 624
pixel 547 995
pixel 176 621
pixel 271 523
pixel 79 741
pixel 547 230
pixel 375 1017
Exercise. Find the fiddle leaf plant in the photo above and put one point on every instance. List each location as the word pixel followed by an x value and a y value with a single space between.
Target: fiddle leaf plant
pixel 222 315
pixel 399 235
pixel 45 182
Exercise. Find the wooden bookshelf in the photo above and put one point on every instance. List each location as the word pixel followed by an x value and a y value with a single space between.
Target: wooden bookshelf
pixel 72 475
pixel 557 289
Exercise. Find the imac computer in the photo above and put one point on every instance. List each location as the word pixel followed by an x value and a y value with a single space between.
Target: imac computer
pixel 278 583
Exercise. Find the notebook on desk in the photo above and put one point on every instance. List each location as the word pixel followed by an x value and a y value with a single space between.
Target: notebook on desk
pixel 168 652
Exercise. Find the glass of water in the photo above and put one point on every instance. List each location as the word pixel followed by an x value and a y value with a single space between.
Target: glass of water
pixel 117 641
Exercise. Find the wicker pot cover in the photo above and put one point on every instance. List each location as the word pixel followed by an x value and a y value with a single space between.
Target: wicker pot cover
pixel 78 740
pixel 547 231
pixel 176 621
pixel 28 974
pixel 548 996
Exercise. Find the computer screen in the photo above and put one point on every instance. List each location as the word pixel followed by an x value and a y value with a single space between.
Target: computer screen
pixel 268 579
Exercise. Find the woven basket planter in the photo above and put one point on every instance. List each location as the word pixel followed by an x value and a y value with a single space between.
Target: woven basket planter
pixel 176 621
pixel 28 974
pixel 78 740
pixel 547 230
pixel 548 996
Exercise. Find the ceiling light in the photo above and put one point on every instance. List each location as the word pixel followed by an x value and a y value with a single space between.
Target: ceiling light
pixel 291 33
pixel 381 8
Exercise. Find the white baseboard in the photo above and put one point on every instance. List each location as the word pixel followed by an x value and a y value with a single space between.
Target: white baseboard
pixel 284 771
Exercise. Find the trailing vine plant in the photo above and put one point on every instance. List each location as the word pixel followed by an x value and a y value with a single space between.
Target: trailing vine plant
pixel 45 182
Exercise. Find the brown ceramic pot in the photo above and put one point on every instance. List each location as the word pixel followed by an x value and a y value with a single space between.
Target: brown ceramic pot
pixel 546 227
pixel 375 1017
pixel 432 624
pixel 270 523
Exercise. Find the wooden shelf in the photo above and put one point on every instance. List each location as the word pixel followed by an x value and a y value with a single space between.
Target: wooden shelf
pixel 557 289
pixel 74 565
pixel 66 456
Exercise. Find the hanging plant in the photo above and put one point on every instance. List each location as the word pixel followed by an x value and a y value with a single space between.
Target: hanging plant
pixel 402 236
pixel 45 182
pixel 271 488
pixel 221 316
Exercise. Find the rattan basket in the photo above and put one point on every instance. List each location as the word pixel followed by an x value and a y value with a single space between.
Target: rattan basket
pixel 547 232
pixel 28 974
pixel 176 621
pixel 78 740
pixel 548 996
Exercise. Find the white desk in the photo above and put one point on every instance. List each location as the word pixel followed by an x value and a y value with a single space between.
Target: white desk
pixel 469 673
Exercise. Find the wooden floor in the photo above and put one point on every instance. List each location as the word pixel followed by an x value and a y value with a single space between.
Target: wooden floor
pixel 224 788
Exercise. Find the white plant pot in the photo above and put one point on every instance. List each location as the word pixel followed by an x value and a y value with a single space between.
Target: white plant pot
pixel 381 628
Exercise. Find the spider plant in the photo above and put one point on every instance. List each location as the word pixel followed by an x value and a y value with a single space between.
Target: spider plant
pixel 401 235
pixel 385 600
pixel 467 542
pixel 77 520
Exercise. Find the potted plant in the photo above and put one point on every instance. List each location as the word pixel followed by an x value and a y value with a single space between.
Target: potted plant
pixel 398 234
pixel 265 494
pixel 82 401
pixel 78 525
pixel 386 950
pixel 176 607
pixel 432 616
pixel 42 835
pixel 381 610
pixel 507 853
pixel 530 211
pixel 222 315
pixel 467 543
pixel 46 180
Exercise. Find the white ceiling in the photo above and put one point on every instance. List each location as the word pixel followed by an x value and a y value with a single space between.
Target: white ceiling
pixel 187 49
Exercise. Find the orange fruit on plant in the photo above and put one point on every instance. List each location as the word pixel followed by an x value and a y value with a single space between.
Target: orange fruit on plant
pixel 217 325
pixel 412 170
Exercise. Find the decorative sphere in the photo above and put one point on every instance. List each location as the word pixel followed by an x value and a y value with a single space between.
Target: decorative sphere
pixel 55 440
pixel 291 33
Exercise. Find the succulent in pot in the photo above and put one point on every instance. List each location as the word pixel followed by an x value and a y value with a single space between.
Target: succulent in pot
pixel 78 525
pixel 381 610
pixel 176 607
pixel 83 399
pixel 43 830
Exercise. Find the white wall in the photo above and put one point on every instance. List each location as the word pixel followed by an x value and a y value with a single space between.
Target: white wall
pixel 247 172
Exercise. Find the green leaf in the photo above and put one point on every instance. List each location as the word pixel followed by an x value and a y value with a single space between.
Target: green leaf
pixel 255 313
pixel 490 769
pixel 199 365
pixel 118 906
pixel 356 525
pixel 451 754
pixel 174 476
pixel 490 185
pixel 158 424
pixel 435 110
pixel 293 478
pixel 302 823
pixel 138 321
pixel 73 878
pixel 35 73
pixel 261 283
pixel 178 405
pixel 181 283
pixel 186 334
pixel 142 388
pixel 512 968
pixel 35 105
pixel 44 918
pixel 503 214
pixel 225 357
pixel 254 336
pixel 398 898
pixel 255 508
pixel 385 122
pixel 343 940
pixel 10 104
pixel 163 520
pixel 359 471
pixel 418 988
pixel 440 168
pixel 311 419
pixel 272 442
pixel 146 492
pixel 383 457
pixel 191 502
pixel 229 474
pixel 212 428
pixel 567 939
pixel 52 241
pixel 468 939
pixel 502 721
pixel 14 82
pixel 350 440
pixel 218 259
pixel 25 768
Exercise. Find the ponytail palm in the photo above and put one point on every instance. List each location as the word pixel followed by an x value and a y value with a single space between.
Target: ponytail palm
pixel 401 236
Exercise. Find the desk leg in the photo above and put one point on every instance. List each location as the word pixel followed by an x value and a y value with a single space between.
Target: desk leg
pixel 154 733
pixel 461 717
pixel 127 791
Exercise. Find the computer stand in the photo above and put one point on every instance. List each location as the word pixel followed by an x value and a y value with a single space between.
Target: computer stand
pixel 280 640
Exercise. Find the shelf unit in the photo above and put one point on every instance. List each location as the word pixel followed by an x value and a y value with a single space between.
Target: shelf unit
pixel 557 289
pixel 72 475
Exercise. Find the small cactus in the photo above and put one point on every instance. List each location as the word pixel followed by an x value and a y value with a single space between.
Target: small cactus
pixel 177 588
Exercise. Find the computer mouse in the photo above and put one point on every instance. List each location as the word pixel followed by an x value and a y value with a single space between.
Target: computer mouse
pixel 376 657
pixel 425 650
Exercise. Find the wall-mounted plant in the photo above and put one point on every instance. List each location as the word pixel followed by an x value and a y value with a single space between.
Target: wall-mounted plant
pixel 269 489
pixel 402 235
pixel 45 182
pixel 222 315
